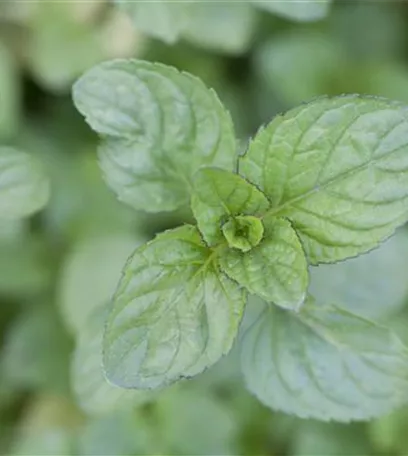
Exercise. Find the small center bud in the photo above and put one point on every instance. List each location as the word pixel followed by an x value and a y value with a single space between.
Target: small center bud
pixel 243 232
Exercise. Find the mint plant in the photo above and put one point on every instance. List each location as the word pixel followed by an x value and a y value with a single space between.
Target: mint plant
pixel 322 183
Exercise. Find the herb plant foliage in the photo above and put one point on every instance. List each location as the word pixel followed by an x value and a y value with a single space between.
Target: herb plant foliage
pixel 322 183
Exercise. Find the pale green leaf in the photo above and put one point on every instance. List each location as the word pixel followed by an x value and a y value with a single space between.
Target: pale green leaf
pixel 24 268
pixel 338 170
pixel 10 93
pixel 162 19
pixel 302 11
pixel 37 352
pixel 122 432
pixel 299 66
pixel 61 46
pixel 24 188
pixel 93 392
pixel 221 26
pixel 219 195
pixel 183 413
pixel 159 126
pixel 90 274
pixel 324 363
pixel 373 285
pixel 174 314
pixel 275 270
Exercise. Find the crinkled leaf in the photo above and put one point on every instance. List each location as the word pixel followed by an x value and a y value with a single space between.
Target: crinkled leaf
pixel 219 194
pixel 90 274
pixel 93 392
pixel 174 314
pixel 373 285
pixel 24 188
pixel 338 169
pixel 159 125
pixel 324 363
pixel 275 270
pixel 302 11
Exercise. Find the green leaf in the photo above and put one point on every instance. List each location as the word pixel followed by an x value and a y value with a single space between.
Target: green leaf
pixel 301 65
pixel 93 393
pixel 275 270
pixel 122 432
pixel 90 274
pixel 160 19
pixel 37 352
pixel 338 170
pixel 218 195
pixel 373 285
pixel 324 363
pixel 303 11
pixel 24 268
pixel 10 93
pixel 222 26
pixel 24 188
pixel 183 411
pixel 174 314
pixel 61 46
pixel 159 126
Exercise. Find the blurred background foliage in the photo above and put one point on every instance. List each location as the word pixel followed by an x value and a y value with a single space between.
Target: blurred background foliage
pixel 59 268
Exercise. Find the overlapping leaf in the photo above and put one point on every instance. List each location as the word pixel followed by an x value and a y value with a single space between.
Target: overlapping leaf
pixel 159 126
pixel 324 363
pixel 93 392
pixel 218 195
pixel 338 169
pixel 275 270
pixel 173 315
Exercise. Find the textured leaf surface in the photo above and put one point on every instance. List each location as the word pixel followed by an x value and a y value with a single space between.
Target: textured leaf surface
pixel 324 363
pixel 24 188
pixel 373 285
pixel 338 169
pixel 93 392
pixel 275 270
pixel 302 11
pixel 219 194
pixel 159 125
pixel 174 314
